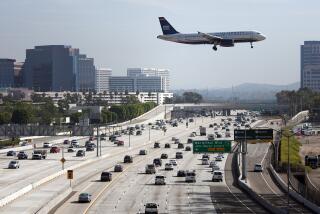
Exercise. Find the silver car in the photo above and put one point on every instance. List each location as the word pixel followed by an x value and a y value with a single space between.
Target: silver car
pixel 14 164
pixel 84 197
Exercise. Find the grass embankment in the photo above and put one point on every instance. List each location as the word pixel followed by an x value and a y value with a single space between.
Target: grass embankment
pixel 294 147
pixel 8 143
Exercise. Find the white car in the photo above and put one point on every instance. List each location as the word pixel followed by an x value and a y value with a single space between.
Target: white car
pixel 215 168
pixel 14 164
pixel 190 176
pixel 75 144
pixel 47 145
pixel 258 167
pixel 173 162
pixel 205 161
pixel 168 166
pixel 212 163
pixel 218 158
pixel 217 176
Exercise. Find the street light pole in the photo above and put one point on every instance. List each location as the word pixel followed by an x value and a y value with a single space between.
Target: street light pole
pixel 288 173
pixel 129 138
pixel 149 133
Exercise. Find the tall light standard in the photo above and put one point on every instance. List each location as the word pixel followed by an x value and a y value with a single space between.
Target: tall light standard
pixel 149 133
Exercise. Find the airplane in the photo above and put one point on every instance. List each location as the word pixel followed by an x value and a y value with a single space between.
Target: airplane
pixel 224 39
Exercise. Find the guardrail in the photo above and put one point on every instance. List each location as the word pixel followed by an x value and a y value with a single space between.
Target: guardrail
pixel 292 193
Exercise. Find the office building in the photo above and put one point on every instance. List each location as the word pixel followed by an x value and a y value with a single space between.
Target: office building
pixel 7 73
pixel 121 84
pixel 152 72
pixel 85 74
pixel 102 80
pixel 310 65
pixel 18 77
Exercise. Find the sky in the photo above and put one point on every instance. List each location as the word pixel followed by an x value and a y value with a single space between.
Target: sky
pixel 122 33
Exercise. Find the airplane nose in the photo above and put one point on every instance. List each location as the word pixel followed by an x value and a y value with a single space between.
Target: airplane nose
pixel 262 37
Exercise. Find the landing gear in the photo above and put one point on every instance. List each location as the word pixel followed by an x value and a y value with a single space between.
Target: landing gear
pixel 251 44
pixel 215 48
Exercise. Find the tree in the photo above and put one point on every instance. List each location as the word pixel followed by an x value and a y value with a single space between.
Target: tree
pixel 5 117
pixel 192 97
pixel 21 116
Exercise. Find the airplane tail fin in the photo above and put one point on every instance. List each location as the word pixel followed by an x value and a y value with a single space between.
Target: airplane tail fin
pixel 166 27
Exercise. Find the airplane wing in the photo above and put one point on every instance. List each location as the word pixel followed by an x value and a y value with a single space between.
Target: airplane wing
pixel 210 37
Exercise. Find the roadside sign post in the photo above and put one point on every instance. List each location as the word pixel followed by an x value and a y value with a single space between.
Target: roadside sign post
pixel 62 158
pixel 70 175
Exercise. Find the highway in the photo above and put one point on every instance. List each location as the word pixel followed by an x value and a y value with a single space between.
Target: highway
pixel 131 190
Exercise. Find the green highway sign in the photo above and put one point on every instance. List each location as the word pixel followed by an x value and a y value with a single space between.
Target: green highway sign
pixel 211 146
pixel 253 134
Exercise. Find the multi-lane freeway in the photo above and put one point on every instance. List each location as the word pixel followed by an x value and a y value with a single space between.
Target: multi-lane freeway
pixel 130 190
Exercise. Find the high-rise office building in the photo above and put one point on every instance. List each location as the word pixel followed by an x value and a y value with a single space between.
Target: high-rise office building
pixel 121 84
pixel 18 78
pixel 7 73
pixel 58 68
pixel 140 83
pixel 310 65
pixel 102 79
pixel 85 74
pixel 152 72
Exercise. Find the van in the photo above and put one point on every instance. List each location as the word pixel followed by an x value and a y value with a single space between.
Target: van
pixel 150 169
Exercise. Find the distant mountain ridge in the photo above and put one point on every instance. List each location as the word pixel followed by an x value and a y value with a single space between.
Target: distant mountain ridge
pixel 245 91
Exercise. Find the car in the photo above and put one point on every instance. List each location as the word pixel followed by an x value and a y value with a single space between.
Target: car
pixel 190 176
pixel 212 163
pixel 157 162
pixel 215 168
pixel 139 132
pixel 47 145
pixel 192 135
pixel 173 138
pixel 160 180
pixel 173 162
pixel 36 156
pixel 11 153
pixel 23 143
pixel 206 156
pixel 189 140
pixel 75 143
pixel 84 198
pixel 14 164
pixel 210 125
pixel 87 143
pixel 258 167
pixel 179 155
pixel 217 176
pixel 181 173
pixel 167 145
pixel 127 159
pixel 156 145
pixel 218 158
pixel 81 153
pixel 54 149
pixel 92 138
pixel 151 208
pixel 143 152
pixel 103 137
pixel 118 168
pixel 150 169
pixel 112 138
pixel 180 146
pixel 188 148
pixel 120 143
pixel 205 161
pixel 168 166
pixel 177 141
pixel 191 120
pixel 164 156
pixel 71 149
pixel 106 176
pixel 22 155
pixel 89 148
pixel 66 142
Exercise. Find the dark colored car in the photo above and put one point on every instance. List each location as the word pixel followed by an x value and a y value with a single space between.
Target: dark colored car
pixel 106 176
pixel 66 142
pixel 139 132
pixel 128 159
pixel 188 148
pixel 156 145
pixel 81 153
pixel 179 155
pixel 181 173
pixel 180 146
pixel 54 149
pixel 112 138
pixel 164 156
pixel 189 140
pixel 167 145
pixel 11 153
pixel 157 162
pixel 118 168
pixel 89 148
pixel 84 198
pixel 211 126
pixel 120 143
pixel 22 155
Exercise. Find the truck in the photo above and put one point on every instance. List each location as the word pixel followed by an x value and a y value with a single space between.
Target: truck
pixel 312 161
pixel 203 131
pixel 42 152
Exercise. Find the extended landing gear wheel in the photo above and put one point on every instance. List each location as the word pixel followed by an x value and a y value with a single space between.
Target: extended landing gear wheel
pixel 215 48
pixel 251 44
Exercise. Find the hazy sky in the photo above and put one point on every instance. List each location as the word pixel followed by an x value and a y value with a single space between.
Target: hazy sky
pixel 122 33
